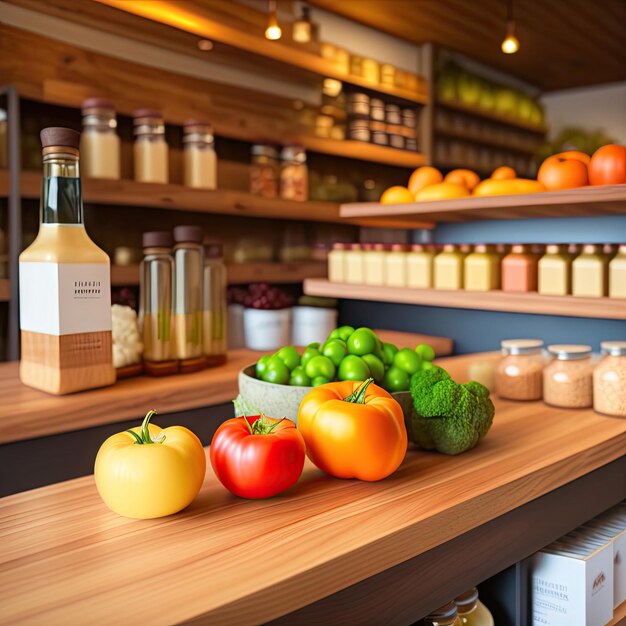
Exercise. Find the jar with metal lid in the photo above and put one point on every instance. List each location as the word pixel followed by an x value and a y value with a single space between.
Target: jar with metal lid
pixel 609 379
pixel 188 296
pixel 150 150
pixel 377 109
pixel 294 174
pixel 374 263
pixel 446 615
pixel 396 265
pixel 354 269
pixel 264 172
pixel 617 274
pixel 99 142
pixel 200 160
pixel 215 306
pixel 472 611
pixel 519 374
pixel 567 379
pixel 336 263
pixel 392 114
pixel 156 274
pixel 590 272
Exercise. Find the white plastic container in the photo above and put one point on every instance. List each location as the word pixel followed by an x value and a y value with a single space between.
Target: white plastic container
pixel 312 323
pixel 267 330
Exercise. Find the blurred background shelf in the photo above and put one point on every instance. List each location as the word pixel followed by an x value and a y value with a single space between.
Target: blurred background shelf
pixel 512 302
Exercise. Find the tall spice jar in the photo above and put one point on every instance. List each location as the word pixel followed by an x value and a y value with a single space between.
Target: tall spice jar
pixel 519 374
pixel 156 274
pixel 294 174
pixel 150 150
pixel 396 265
pixel 419 266
pixel 188 297
pixel 590 272
pixel 567 379
pixel 555 271
pixel 471 610
pixel 374 263
pixel 99 142
pixel 617 274
pixel 200 160
pixel 519 269
pixel 609 379
pixel 447 615
pixel 215 306
pixel 264 172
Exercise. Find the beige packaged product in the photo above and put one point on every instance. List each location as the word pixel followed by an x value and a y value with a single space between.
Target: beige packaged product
pixel 609 379
pixel 200 160
pixel 448 268
pixel 354 269
pixel 99 143
pixel 617 274
pixel 150 150
pixel 396 266
pixel 519 374
pixel 374 263
pixel 590 272
pixel 567 379
pixel 482 269
pixel 419 267
pixel 336 263
pixel 555 271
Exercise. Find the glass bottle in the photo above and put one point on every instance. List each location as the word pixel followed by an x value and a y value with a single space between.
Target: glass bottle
pixel 482 269
pixel 589 272
pixel 200 160
pixel 567 379
pixel 448 268
pixel 396 265
pixel 188 299
pixel 520 269
pixel 419 267
pixel 65 285
pixel 472 611
pixel 99 143
pixel 336 263
pixel 150 150
pixel 215 307
pixel 555 271
pixel 447 615
pixel 156 274
pixel 519 374
pixel 609 379
pixel 264 171
pixel 617 274
pixel 294 174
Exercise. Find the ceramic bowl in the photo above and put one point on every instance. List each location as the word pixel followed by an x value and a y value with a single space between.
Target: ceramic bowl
pixel 284 400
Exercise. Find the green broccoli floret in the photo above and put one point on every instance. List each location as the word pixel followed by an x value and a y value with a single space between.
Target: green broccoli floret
pixel 449 417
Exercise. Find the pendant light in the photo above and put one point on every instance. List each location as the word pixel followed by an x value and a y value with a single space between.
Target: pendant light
pixel 273 30
pixel 302 27
pixel 510 44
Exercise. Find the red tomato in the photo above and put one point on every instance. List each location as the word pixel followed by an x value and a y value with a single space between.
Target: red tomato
pixel 257 457
pixel 608 165
pixel 564 171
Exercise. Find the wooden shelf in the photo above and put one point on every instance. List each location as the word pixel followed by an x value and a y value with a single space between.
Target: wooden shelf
pixel 239 273
pixel 584 201
pixel 510 302
pixel 494 117
pixel 223 202
pixel 5 290
pixel 490 142
pixel 619 616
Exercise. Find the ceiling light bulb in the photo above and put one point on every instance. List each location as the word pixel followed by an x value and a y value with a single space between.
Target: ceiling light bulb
pixel 205 45
pixel 510 44
pixel 273 30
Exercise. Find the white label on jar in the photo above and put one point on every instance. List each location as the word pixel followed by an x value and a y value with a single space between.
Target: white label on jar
pixel 63 299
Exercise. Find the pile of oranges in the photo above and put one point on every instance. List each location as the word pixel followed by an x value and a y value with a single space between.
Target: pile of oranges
pixel 566 170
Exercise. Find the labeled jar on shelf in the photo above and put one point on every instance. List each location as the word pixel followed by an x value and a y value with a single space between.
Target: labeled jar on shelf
pixel 99 142
pixel 392 114
pixel 397 141
pixel 447 615
pixel 353 264
pixel 356 65
pixel 200 160
pixel 150 150
pixel 567 379
pixel 419 266
pixel 519 374
pixel 377 109
pixel 264 171
pixel 156 274
pixel 359 129
pixel 482 269
pixel 609 379
pixel 396 265
pixel 370 70
pixel 374 263
pixel 590 272
pixel 472 611
pixel 188 297
pixel 449 268
pixel 378 133
pixel 358 104
pixel 617 274
pixel 294 174
pixel 336 262
pixel 519 269
pixel 555 271
pixel 214 310
pixel 387 75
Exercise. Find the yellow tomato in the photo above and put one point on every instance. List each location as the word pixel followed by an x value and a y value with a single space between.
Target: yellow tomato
pixel 150 472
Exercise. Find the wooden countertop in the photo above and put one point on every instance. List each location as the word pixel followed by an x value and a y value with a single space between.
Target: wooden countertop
pixel 28 413
pixel 231 561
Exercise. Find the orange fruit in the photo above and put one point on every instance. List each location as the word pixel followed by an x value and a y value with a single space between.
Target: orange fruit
pixel 563 171
pixel 396 195
pixel 442 191
pixel 504 173
pixel 575 155
pixel 463 177
pixel 424 176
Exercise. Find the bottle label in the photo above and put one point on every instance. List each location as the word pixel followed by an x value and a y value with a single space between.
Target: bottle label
pixel 66 298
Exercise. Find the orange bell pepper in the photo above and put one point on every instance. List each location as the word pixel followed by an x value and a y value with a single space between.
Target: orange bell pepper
pixel 353 430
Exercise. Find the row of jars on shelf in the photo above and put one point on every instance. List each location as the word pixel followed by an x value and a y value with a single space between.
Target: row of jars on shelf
pixel 465 610
pixel 593 271
pixel 564 376
pixel 182 301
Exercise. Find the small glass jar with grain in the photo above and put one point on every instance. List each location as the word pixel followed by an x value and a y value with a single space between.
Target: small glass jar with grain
pixel 609 380
pixel 567 379
pixel 519 374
